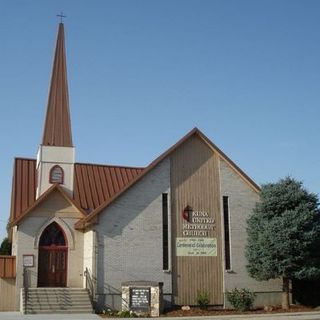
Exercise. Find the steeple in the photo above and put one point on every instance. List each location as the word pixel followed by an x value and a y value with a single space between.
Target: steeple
pixel 57 129
pixel 56 154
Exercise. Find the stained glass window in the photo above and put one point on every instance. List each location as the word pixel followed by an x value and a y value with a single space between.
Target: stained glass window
pixel 52 235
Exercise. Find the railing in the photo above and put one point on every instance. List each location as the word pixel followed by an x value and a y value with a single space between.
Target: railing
pixel 89 285
pixel 25 288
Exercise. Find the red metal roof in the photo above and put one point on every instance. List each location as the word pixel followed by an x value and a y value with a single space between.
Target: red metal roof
pixel 23 186
pixel 96 184
pixel 195 131
pixel 93 184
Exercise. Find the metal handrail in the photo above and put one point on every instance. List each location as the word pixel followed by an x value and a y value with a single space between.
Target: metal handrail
pixel 25 288
pixel 89 284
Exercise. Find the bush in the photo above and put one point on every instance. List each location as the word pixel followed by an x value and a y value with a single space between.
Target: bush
pixel 241 299
pixel 203 299
pixel 119 314
pixel 109 312
pixel 127 314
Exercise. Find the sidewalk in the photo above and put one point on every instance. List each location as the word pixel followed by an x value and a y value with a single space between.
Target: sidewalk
pixel 19 316
pixel 275 316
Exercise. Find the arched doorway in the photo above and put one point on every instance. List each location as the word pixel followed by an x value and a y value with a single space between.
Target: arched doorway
pixel 53 253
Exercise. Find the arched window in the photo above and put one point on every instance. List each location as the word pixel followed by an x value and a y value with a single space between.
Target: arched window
pixel 52 235
pixel 56 175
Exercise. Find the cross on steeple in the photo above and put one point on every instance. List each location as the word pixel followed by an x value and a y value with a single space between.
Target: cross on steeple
pixel 61 16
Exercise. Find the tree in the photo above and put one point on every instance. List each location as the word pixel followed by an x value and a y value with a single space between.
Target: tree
pixel 5 248
pixel 284 235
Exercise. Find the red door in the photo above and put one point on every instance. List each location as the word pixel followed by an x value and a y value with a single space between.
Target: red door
pixel 52 270
pixel 53 252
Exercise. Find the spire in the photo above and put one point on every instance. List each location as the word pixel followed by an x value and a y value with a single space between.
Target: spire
pixel 57 128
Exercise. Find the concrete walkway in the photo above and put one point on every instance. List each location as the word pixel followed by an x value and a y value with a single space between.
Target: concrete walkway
pixel 19 316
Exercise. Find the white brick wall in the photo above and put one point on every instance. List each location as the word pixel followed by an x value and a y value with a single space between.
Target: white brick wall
pixel 129 237
pixel 29 232
pixel 242 199
pixel 89 253
pixel 48 157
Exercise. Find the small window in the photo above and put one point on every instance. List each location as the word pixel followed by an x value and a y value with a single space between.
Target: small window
pixel 56 175
pixel 227 244
pixel 165 232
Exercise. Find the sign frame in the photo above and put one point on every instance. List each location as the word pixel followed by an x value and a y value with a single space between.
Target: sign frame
pixel 28 260
pixel 140 307
pixel 196 247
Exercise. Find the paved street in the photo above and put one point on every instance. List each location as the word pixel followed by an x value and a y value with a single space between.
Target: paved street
pixel 283 316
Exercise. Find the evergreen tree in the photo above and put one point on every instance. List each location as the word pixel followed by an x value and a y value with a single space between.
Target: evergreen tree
pixel 284 235
pixel 5 248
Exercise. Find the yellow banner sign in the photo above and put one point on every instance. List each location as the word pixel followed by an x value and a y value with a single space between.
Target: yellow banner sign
pixel 196 247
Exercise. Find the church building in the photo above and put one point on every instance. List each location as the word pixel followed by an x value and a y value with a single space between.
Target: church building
pixel 180 221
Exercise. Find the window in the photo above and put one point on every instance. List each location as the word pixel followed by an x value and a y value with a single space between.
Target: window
pixel 56 175
pixel 52 235
pixel 165 232
pixel 226 232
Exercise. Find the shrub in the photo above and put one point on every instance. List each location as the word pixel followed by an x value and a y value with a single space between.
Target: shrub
pixel 109 312
pixel 203 299
pixel 119 314
pixel 241 299
pixel 127 314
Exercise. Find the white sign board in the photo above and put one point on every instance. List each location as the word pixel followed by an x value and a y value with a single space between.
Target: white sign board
pixel 28 260
pixel 196 247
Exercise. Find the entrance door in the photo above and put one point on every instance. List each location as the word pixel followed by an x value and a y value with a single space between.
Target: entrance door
pixel 53 252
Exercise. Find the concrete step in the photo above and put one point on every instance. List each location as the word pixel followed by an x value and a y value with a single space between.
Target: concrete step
pixel 56 300
pixel 59 304
pixel 48 291
pixel 49 311
pixel 57 297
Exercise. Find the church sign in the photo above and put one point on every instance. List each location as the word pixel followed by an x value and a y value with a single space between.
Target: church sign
pixel 196 223
pixel 196 247
pixel 139 298
pixel 195 240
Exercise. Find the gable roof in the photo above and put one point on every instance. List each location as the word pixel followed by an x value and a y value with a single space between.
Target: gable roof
pixel 92 216
pixel 23 193
pixel 93 185
pixel 42 198
pixel 96 184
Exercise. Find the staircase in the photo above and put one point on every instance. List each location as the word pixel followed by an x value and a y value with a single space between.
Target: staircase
pixel 56 300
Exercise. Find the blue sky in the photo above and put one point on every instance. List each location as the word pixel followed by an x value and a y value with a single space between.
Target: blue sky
pixel 143 73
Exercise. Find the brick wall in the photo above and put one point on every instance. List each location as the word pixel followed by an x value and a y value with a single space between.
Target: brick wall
pixel 129 238
pixel 242 199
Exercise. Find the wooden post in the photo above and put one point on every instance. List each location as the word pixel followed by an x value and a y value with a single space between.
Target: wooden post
pixel 285 293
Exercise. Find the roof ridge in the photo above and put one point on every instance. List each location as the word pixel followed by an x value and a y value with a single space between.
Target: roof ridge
pixel 42 197
pixel 195 131
pixel 21 158
pixel 108 165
